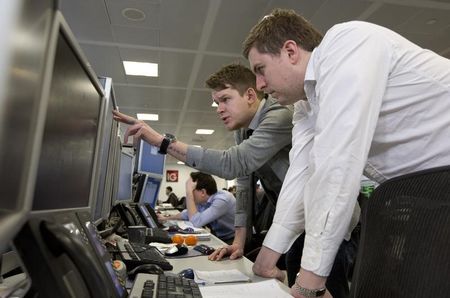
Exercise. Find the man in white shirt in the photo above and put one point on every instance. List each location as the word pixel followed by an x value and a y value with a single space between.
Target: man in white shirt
pixel 379 105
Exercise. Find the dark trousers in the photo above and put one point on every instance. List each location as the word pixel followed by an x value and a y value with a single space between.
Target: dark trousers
pixel 340 275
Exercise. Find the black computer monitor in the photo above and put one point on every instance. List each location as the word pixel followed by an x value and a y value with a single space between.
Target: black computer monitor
pixel 60 258
pixel 66 176
pixel 125 186
pixel 25 30
pixel 100 209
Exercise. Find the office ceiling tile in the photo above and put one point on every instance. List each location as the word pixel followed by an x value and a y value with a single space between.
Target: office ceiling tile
pixel 392 16
pixel 333 12
pixel 87 19
pixel 105 61
pixel 212 64
pixel 201 101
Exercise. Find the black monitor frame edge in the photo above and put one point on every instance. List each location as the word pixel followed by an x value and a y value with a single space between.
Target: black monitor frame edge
pixel 12 220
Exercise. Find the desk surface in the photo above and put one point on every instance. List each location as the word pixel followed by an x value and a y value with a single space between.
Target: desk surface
pixel 202 263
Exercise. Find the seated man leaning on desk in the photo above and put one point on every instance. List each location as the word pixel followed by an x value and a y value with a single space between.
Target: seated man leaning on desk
pixel 205 205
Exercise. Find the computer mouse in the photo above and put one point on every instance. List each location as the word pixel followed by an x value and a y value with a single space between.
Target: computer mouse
pixel 187 273
pixel 145 268
pixel 176 250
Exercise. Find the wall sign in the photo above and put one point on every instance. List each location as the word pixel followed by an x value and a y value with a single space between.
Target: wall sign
pixel 172 175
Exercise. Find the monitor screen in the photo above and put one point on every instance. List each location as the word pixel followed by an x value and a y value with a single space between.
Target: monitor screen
pixel 149 161
pixel 106 159
pixel 150 192
pixel 125 190
pixel 148 216
pixel 68 153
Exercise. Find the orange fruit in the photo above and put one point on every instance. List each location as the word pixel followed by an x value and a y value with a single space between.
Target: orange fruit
pixel 178 239
pixel 190 240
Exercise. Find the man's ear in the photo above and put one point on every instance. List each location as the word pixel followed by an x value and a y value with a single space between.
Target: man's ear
pixel 292 50
pixel 251 95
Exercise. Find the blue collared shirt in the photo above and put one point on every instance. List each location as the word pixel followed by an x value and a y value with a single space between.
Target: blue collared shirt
pixel 218 212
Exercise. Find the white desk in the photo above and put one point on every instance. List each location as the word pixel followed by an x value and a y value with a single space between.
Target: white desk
pixel 202 263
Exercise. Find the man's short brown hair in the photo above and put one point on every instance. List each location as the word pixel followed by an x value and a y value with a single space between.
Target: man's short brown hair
pixel 272 31
pixel 204 181
pixel 235 75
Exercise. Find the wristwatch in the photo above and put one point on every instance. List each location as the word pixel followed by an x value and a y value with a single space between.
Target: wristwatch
pixel 309 292
pixel 168 139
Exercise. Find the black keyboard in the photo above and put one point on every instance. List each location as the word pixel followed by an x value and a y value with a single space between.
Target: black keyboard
pixel 134 254
pixel 153 286
pixel 157 235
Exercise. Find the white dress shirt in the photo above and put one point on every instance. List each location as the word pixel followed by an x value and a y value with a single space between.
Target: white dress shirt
pixel 380 106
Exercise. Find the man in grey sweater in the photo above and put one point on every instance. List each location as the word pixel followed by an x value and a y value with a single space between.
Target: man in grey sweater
pixel 262 131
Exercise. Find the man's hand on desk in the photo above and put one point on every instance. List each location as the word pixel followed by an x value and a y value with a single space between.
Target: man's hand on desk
pixel 234 251
pixel 165 217
pixel 265 264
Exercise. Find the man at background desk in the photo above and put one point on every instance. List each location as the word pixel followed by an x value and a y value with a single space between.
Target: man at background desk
pixel 171 197
pixel 205 205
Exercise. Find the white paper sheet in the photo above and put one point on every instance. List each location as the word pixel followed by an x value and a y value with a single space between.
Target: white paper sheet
pixel 268 288
pixel 220 276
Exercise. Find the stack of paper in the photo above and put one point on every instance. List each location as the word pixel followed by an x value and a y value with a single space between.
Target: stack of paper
pixel 220 276
pixel 269 288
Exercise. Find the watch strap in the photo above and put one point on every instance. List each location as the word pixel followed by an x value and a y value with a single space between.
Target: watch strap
pixel 168 138
pixel 309 292
pixel 164 145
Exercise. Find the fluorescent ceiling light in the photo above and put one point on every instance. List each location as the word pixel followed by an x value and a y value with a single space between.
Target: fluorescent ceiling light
pixel 133 68
pixel 197 146
pixel 214 104
pixel 150 117
pixel 204 131
pixel 180 162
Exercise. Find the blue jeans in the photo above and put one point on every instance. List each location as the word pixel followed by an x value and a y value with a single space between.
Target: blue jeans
pixel 340 275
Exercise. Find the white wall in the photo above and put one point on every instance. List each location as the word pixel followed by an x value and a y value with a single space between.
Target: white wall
pixel 183 175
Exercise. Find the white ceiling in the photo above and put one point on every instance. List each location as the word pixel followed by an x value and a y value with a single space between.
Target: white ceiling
pixel 191 39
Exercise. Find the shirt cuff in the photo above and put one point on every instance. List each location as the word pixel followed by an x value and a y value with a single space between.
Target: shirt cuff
pixel 315 258
pixel 184 215
pixel 279 238
pixel 194 155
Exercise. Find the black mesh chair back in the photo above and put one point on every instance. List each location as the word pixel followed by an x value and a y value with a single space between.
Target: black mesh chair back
pixel 405 241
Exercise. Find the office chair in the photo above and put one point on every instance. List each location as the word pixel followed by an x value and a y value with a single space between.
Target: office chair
pixel 405 241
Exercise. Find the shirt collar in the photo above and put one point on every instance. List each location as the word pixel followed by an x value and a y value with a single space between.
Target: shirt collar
pixel 255 121
pixel 309 74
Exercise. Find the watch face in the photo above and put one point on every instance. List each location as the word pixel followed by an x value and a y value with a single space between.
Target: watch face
pixel 171 137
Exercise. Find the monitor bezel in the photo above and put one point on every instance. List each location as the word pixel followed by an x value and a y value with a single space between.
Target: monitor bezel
pixel 11 219
pixel 101 211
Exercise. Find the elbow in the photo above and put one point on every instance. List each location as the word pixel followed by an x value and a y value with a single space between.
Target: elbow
pixel 229 175
pixel 258 269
